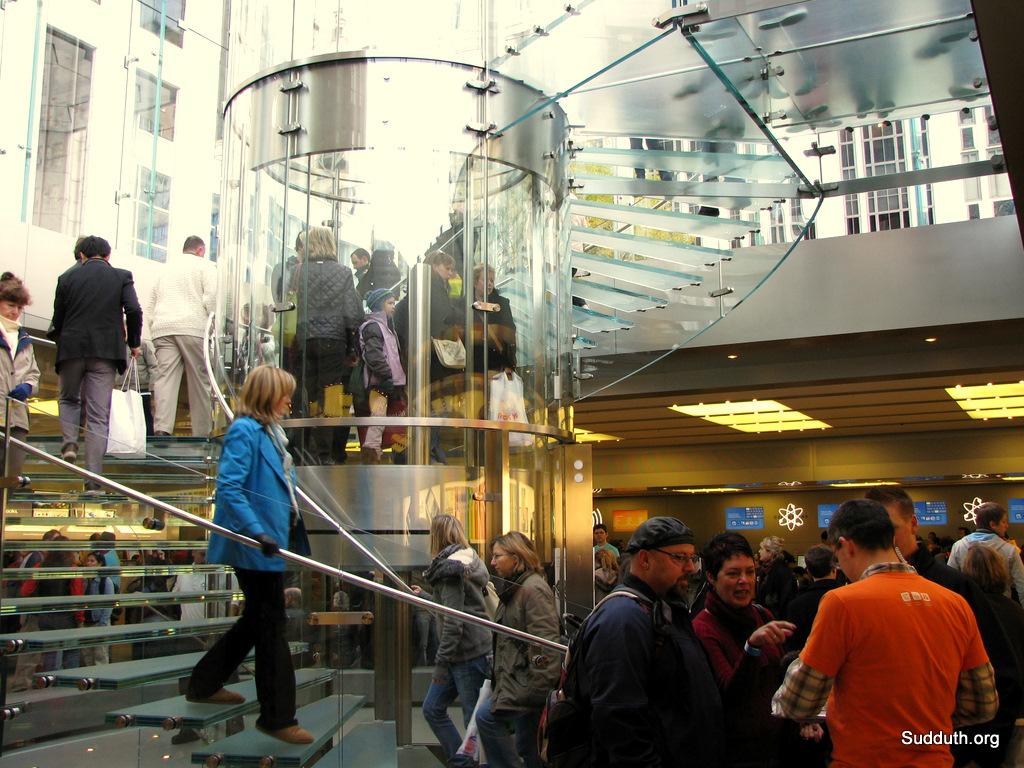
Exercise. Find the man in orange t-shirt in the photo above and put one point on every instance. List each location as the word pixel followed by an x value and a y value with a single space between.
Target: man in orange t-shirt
pixel 890 626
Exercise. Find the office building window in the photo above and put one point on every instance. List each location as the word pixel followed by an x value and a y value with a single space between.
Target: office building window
pixel 158 200
pixel 966 116
pixel 149 18
pixel 993 133
pixel 966 138
pixel 145 100
pixel 63 134
pixel 1004 208
pixel 973 211
pixel 972 187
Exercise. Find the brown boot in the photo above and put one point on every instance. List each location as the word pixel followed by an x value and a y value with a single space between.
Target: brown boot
pixel 293 734
pixel 370 456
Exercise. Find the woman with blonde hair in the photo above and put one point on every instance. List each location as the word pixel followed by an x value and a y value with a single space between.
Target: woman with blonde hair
pixel 256 498
pixel 523 674
pixel 458 577
pixel 606 573
pixel 776 585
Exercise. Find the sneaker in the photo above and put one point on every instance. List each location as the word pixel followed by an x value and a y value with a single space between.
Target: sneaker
pixel 70 455
pixel 293 734
pixel 223 696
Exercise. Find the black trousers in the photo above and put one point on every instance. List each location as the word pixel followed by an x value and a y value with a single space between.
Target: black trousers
pixel 262 624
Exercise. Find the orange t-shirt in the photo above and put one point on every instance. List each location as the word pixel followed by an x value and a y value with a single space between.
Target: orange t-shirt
pixel 896 644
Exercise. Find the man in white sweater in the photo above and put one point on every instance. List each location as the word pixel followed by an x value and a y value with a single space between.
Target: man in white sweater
pixel 181 300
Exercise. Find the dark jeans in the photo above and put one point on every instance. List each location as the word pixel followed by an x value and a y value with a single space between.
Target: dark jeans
pixel 262 624
pixel 464 680
pixel 494 736
pixel 321 363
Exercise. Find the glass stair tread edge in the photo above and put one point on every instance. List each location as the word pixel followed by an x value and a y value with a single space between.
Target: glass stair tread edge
pixel 195 715
pixel 61 639
pixel 367 745
pixel 644 275
pixel 99 521
pixel 250 747
pixel 597 322
pixel 183 478
pixel 582 342
pixel 666 250
pixel 616 298
pixel 748 166
pixel 670 221
pixel 126 599
pixel 131 674
pixel 725 194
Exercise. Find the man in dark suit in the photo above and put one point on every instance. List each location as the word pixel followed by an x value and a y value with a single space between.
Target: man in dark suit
pixel 93 307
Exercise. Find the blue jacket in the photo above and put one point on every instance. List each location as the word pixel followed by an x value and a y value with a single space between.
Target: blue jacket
pixel 252 498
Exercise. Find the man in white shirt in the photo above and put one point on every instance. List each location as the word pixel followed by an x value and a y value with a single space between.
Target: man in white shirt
pixel 181 300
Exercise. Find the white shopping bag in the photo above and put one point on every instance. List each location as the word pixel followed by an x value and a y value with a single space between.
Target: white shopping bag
pixel 126 430
pixel 471 744
pixel 507 404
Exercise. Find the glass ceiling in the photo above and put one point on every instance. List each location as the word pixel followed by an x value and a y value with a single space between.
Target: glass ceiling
pixel 735 85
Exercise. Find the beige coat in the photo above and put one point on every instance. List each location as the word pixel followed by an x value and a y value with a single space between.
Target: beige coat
pixel 21 370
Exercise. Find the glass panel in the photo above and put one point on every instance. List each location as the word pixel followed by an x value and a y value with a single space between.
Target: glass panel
pixel 174 12
pixel 145 95
pixel 63 134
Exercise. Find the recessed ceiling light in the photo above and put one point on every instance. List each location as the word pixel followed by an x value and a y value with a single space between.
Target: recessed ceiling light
pixel 752 416
pixel 732 357
pixel 863 484
pixel 931 339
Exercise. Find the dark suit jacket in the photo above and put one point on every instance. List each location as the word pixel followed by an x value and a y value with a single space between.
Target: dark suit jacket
pixel 803 609
pixel 91 308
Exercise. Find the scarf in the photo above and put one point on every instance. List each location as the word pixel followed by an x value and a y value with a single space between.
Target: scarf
pixel 276 433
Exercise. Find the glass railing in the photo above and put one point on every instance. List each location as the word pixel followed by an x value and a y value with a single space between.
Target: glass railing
pixel 363 647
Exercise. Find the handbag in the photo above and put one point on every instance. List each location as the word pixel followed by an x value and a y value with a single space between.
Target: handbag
pixel 126 430
pixel 506 403
pixel 451 353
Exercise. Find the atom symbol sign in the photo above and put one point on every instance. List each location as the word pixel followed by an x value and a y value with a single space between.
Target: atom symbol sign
pixel 971 507
pixel 792 517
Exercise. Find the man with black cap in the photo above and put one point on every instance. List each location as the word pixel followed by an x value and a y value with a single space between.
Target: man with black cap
pixel 645 676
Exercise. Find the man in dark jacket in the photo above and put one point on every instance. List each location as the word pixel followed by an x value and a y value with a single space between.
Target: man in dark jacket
pixel 900 507
pixel 93 307
pixel 645 676
pixel 820 563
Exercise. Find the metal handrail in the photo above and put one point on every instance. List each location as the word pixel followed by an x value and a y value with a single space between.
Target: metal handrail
pixel 290 557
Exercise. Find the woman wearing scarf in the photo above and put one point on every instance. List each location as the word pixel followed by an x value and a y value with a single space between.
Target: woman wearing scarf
pixel 19 374
pixel 744 646
pixel 256 498
pixel 458 577
pixel 523 674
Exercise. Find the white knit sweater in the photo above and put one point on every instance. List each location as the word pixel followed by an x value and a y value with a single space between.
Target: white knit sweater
pixel 182 298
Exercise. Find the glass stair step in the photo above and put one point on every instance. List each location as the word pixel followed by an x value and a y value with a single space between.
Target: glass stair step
pixel 644 275
pixel 130 674
pixel 250 747
pixel 720 164
pixel 616 298
pixel 596 322
pixel 670 221
pixel 178 712
pixel 683 254
pixel 367 745
pixel 582 342
pixel 21 605
pixel 62 639
pixel 723 194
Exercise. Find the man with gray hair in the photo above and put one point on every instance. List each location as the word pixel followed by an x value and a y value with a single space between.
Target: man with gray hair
pixel 644 674
pixel 993 523
pixel 180 301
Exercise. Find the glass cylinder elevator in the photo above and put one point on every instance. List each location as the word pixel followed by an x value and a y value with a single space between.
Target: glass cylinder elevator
pixel 347 153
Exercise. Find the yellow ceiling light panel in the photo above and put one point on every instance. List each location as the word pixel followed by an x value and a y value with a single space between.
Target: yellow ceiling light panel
pixel 752 416
pixel 990 401
pixel 585 436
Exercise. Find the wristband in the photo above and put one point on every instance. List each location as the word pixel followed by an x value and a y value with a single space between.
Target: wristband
pixel 748 648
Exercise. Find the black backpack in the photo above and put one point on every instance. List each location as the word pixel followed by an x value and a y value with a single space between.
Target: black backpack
pixel 564 735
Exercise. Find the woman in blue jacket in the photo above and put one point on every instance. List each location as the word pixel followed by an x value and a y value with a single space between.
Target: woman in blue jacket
pixel 256 498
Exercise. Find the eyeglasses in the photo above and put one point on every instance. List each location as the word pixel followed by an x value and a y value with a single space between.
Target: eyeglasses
pixel 679 559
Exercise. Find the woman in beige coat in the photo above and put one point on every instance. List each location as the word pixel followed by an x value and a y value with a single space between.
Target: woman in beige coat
pixel 19 374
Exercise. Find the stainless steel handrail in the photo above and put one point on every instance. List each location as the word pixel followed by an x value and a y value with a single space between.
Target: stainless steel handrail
pixel 286 555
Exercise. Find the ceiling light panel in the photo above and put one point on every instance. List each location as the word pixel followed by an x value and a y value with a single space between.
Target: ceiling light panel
pixel 990 401
pixel 752 416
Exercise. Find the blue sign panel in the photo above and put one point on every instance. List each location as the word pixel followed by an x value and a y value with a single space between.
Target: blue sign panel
pixel 930 512
pixel 1016 510
pixel 825 512
pixel 744 518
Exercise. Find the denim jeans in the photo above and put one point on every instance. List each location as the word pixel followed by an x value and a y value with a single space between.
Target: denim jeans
pixel 464 679
pixel 494 737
